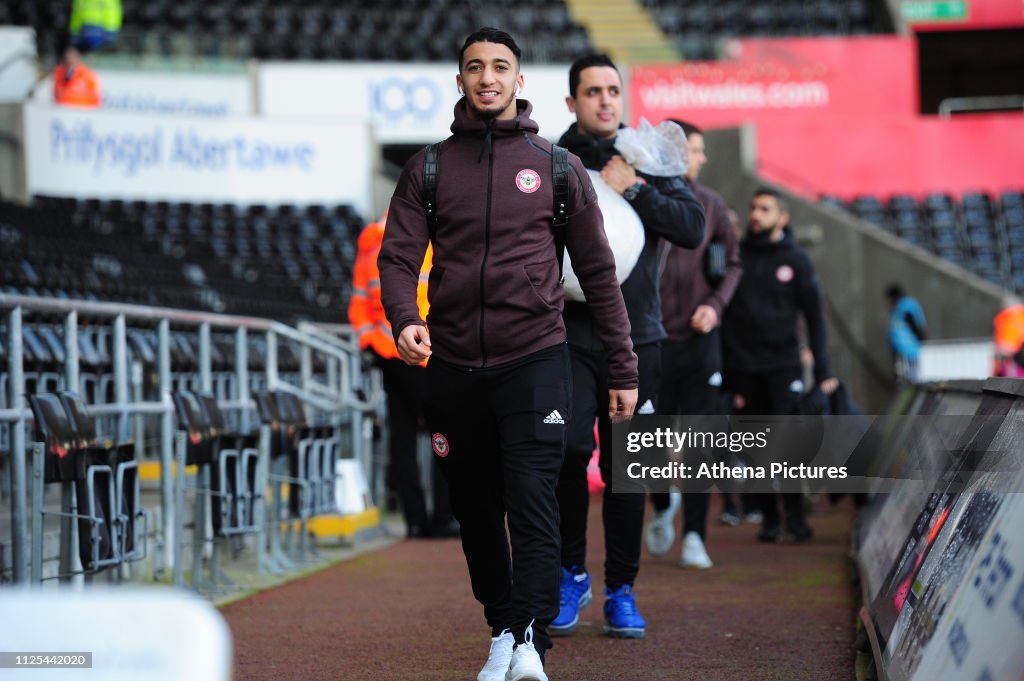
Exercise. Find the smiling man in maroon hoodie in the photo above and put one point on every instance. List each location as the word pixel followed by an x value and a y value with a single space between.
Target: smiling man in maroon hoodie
pixel 498 377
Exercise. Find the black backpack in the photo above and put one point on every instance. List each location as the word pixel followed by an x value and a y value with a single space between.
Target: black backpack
pixel 560 184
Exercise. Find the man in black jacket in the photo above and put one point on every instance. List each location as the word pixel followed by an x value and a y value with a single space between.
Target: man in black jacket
pixel 667 209
pixel 759 334
pixel 497 393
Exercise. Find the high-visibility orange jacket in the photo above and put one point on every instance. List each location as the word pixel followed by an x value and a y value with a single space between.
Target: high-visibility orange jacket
pixel 80 87
pixel 1009 330
pixel 365 311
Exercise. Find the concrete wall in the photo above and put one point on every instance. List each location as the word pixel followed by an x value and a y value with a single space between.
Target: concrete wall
pixel 12 154
pixel 855 261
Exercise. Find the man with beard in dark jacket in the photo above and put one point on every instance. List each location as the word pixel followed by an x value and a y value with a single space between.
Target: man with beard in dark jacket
pixel 759 334
pixel 498 379
pixel 667 209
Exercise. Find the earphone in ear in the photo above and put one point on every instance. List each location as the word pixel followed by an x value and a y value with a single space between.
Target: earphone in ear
pixel 518 90
pixel 462 93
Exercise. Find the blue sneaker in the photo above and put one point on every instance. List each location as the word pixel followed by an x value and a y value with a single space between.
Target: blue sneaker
pixel 621 620
pixel 575 595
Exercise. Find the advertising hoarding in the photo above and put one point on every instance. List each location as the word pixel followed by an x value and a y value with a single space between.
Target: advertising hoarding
pixel 405 103
pixel 72 152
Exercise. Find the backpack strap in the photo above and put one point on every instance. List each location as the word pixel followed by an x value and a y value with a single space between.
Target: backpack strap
pixel 560 194
pixel 431 168
pixel 560 191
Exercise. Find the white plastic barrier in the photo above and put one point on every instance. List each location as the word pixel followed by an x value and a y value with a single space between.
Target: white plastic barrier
pixel 351 492
pixel 956 359
pixel 122 634
pixel 950 359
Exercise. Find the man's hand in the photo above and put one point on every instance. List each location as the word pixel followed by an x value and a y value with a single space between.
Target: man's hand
pixel 704 319
pixel 621 403
pixel 619 175
pixel 829 385
pixel 413 344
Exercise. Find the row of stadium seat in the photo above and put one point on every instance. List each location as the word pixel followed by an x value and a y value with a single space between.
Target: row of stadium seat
pixel 283 263
pixel 402 30
pixel 393 30
pixel 43 349
pixel 984 234
pixel 696 26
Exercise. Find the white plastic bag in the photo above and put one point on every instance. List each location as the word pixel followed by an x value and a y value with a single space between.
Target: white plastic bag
pixel 661 151
pixel 625 235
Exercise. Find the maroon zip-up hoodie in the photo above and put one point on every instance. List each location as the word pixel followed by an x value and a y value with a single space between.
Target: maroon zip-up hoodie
pixel 494 289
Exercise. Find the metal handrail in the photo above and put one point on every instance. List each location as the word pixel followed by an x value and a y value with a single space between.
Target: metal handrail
pixel 335 396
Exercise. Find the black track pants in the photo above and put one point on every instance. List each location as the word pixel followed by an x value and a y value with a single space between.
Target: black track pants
pixel 622 512
pixel 499 435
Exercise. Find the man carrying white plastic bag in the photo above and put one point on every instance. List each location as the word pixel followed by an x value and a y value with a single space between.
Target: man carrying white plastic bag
pixel 641 172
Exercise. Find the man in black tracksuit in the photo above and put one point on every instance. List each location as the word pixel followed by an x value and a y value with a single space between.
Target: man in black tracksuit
pixel 667 209
pixel 759 334
pixel 498 395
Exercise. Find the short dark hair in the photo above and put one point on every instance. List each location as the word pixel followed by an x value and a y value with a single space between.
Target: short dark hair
pixel 894 292
pixel 765 190
pixel 597 59
pixel 688 128
pixel 490 35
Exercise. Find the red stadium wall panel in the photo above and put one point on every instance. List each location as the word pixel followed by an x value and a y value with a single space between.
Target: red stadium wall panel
pixel 836 116
pixel 782 79
pixel 887 156
pixel 962 15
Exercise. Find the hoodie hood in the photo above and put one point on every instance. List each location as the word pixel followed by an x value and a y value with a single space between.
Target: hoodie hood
pixel 464 125
pixel 761 242
pixel 593 151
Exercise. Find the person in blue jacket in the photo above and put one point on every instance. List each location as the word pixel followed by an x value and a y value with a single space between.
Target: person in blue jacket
pixel 906 332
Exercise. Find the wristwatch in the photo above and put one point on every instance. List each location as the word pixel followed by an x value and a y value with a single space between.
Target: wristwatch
pixel 633 190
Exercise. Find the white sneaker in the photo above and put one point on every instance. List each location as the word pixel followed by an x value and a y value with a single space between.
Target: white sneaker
pixel 526 664
pixel 694 555
pixel 661 532
pixel 499 658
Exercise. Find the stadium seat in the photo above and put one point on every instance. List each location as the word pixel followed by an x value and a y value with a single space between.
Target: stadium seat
pixel 105 480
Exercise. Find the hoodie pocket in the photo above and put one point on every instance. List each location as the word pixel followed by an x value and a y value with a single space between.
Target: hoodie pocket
pixel 542 280
pixel 434 285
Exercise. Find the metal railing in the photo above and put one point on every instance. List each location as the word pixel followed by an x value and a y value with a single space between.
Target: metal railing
pixel 338 390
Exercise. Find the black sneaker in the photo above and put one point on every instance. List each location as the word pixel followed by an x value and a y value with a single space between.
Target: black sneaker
pixel 446 529
pixel 799 532
pixel 769 535
pixel 418 532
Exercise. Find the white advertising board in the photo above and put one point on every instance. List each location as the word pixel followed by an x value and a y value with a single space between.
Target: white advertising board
pixel 405 103
pixel 169 94
pixel 74 152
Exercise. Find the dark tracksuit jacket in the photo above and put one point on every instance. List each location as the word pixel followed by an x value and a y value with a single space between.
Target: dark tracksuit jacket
pixel 668 209
pixel 779 285
pixel 761 346
pixel 498 378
